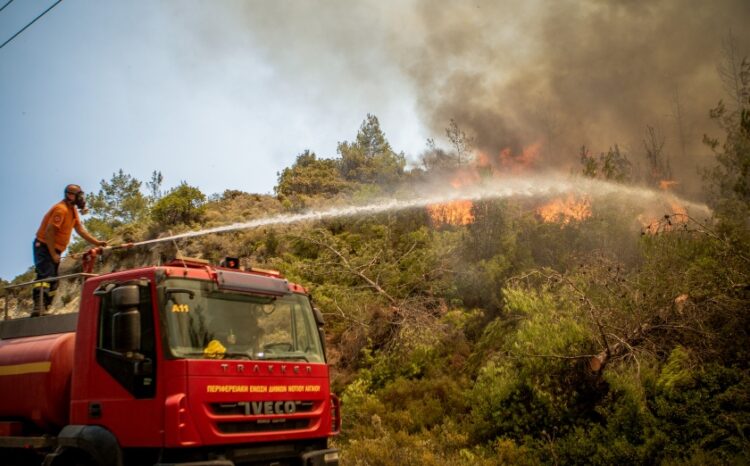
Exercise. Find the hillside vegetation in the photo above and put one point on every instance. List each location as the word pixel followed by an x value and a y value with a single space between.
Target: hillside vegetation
pixel 502 339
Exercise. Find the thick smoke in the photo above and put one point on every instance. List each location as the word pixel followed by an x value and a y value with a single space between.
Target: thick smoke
pixel 569 73
pixel 513 73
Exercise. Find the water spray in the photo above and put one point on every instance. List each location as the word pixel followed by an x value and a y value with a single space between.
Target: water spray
pixel 496 188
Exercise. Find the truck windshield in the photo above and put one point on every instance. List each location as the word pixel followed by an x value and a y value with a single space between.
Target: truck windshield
pixel 204 322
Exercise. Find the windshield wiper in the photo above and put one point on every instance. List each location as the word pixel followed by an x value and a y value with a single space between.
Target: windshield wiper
pixel 286 357
pixel 204 355
pixel 239 354
pixel 186 354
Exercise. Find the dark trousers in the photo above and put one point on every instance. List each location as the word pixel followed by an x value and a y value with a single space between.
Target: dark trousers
pixel 45 268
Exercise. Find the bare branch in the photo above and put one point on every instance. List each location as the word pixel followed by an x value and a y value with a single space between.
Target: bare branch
pixel 729 69
pixel 358 271
pixel 552 356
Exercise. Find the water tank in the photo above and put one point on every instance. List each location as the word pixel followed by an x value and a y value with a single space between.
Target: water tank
pixel 35 376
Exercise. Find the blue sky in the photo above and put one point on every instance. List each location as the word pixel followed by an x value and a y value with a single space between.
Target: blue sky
pixel 95 86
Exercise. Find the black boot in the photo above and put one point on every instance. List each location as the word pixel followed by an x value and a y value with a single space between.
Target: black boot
pixel 40 306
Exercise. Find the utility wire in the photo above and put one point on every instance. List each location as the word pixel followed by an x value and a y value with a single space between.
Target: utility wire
pixel 9 2
pixel 32 22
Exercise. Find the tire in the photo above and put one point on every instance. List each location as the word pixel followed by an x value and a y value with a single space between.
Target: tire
pixel 74 458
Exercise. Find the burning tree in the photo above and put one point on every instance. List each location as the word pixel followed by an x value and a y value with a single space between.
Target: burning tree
pixel 565 210
pixel 451 213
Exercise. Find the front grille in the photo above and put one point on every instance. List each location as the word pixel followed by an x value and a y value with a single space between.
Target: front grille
pixel 247 409
pixel 263 425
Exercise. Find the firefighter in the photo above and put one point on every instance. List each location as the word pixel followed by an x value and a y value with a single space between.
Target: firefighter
pixel 51 240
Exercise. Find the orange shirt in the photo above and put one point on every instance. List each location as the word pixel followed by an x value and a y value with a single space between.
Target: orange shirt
pixel 64 217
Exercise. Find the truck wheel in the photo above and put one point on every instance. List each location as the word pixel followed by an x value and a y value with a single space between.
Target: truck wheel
pixel 74 458
pixel 83 445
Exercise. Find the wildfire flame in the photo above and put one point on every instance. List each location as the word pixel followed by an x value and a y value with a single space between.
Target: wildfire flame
pixel 666 185
pixel 565 210
pixel 677 216
pixel 507 162
pixel 451 213
pixel 484 164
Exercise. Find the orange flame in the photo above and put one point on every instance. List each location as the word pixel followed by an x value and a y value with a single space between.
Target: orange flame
pixel 676 214
pixel 506 162
pixel 451 213
pixel 520 162
pixel 667 185
pixel 678 210
pixel 565 210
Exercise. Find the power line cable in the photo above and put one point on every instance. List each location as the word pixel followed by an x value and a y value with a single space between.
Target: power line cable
pixel 32 22
pixel 9 2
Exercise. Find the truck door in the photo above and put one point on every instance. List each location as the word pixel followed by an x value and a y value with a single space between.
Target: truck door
pixel 121 381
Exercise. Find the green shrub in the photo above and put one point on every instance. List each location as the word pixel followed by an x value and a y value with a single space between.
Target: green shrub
pixel 184 204
pixel 529 387
pixel 704 409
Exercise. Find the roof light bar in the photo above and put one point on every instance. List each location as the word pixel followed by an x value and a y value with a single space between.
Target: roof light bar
pixel 251 283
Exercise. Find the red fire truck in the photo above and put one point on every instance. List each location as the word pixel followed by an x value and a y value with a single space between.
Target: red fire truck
pixel 180 364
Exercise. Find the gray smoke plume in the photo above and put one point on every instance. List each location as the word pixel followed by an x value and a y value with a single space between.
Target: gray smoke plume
pixel 569 73
pixel 562 73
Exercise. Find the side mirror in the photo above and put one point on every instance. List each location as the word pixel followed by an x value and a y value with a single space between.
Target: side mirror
pixel 321 334
pixel 126 322
pixel 126 296
pixel 126 331
pixel 318 317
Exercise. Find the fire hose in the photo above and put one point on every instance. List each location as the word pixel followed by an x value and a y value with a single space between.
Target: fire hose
pixel 88 258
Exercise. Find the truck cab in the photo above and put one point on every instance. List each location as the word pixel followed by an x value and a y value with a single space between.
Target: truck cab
pixel 187 363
